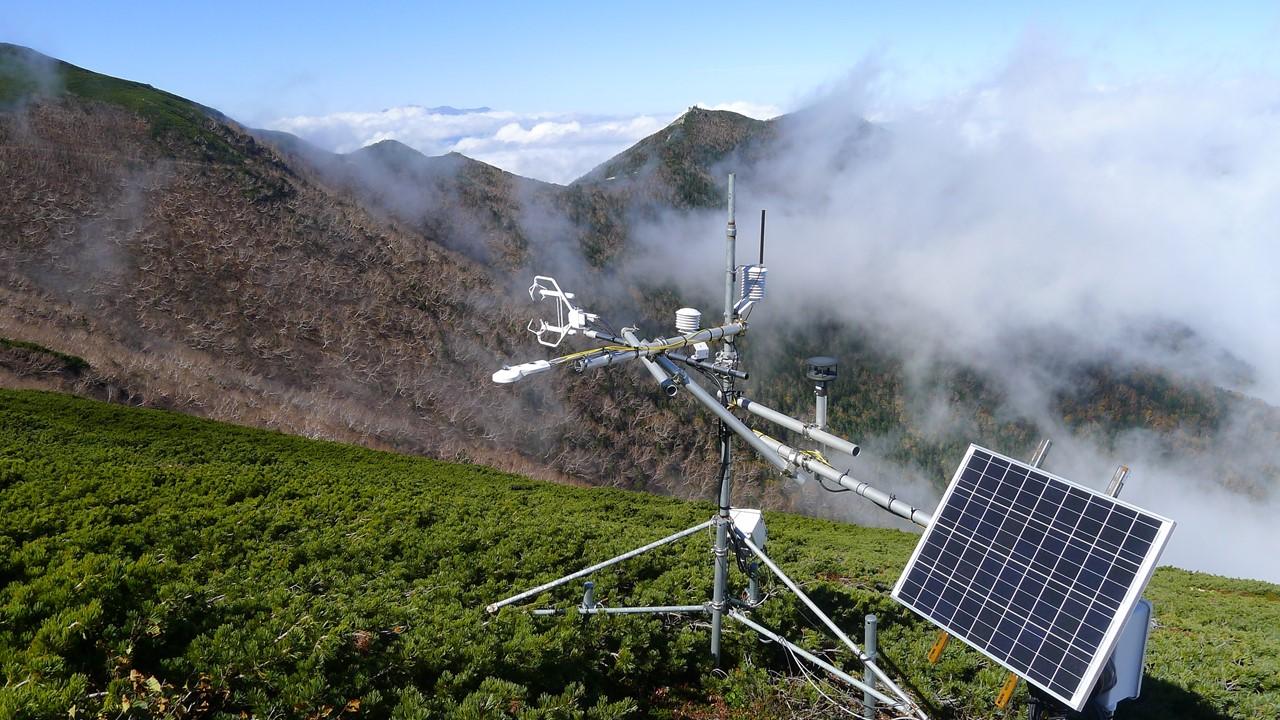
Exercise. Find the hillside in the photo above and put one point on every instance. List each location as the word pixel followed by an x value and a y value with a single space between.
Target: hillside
pixel 159 565
pixel 463 204
pixel 191 266
pixel 187 263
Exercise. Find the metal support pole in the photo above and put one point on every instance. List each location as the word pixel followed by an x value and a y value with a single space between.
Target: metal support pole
pixel 869 700
pixel 820 409
pixel 831 625
pixel 723 521
pixel 494 607
pixel 728 357
pixel 730 258
pixel 640 610
pixel 1117 481
pixel 805 654
pixel 1042 450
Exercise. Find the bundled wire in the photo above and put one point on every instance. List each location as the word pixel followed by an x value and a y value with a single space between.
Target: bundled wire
pixel 683 342
pixel 816 455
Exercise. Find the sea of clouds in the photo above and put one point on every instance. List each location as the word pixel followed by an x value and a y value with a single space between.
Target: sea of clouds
pixel 556 146
pixel 1038 205
pixel 1033 202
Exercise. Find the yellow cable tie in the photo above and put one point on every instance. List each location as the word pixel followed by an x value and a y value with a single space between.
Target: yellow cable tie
pixel 939 645
pixel 1006 692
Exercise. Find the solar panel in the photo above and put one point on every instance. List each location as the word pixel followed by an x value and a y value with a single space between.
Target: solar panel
pixel 1034 571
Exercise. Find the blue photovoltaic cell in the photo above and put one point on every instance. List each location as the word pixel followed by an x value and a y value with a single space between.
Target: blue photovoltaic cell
pixel 1035 571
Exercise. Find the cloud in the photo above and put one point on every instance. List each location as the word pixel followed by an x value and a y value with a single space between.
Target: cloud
pixel 1037 207
pixel 758 111
pixel 556 147
pixel 1034 200
pixel 558 150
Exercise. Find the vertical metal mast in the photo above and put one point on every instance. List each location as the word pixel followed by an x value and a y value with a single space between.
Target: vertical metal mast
pixel 730 260
pixel 728 357
pixel 791 461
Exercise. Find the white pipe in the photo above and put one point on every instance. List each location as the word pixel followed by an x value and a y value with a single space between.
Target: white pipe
pixel 493 607
pixel 867 662
pixel 810 464
pixel 812 432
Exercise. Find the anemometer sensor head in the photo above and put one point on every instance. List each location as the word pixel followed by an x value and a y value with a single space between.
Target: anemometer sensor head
pixel 570 319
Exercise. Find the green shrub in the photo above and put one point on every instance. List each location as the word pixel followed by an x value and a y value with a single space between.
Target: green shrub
pixel 158 565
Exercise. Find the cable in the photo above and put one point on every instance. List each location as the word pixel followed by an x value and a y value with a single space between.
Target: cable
pixel 592 351
pixel 740 552
pixel 809 677
pixel 822 482
pixel 816 455
pixel 709 375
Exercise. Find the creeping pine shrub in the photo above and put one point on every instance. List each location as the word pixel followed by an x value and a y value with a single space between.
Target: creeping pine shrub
pixel 154 565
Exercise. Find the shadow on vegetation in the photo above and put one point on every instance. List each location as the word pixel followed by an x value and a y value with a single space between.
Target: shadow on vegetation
pixel 927 703
pixel 1163 699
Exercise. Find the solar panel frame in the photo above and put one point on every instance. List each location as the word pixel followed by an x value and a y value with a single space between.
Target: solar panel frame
pixel 1077 504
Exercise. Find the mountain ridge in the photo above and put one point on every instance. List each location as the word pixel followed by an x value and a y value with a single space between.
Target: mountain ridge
pixel 243 286
pixel 202 266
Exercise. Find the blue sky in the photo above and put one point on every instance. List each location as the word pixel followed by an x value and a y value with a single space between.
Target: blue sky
pixel 617 69
pixel 258 60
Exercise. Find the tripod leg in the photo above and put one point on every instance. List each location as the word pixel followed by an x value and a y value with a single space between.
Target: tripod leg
pixel 493 607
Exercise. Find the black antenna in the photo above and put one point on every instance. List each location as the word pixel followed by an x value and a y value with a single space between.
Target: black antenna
pixel 762 236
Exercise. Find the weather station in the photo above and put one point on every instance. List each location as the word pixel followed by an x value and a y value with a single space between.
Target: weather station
pixel 1041 575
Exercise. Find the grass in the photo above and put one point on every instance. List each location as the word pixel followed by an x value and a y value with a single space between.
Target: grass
pixel 71 363
pixel 158 565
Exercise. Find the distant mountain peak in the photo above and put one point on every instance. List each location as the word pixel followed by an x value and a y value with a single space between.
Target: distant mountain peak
pixel 679 165
pixel 448 109
pixel 389 145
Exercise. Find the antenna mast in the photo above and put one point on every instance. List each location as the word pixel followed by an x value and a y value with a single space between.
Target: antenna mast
pixel 730 258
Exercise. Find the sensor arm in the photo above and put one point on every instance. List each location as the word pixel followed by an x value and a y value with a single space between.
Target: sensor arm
pixel 721 412
pixel 649 349
pixel 710 367
pixel 810 464
pixel 621 351
pixel 813 432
